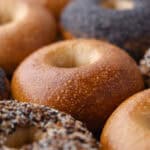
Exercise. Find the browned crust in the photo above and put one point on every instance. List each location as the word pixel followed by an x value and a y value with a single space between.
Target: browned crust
pixel 129 122
pixel 24 35
pixel 66 34
pixel 54 6
pixel 90 93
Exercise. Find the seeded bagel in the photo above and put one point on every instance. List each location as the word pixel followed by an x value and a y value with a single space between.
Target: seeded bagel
pixel 25 126
pixel 124 23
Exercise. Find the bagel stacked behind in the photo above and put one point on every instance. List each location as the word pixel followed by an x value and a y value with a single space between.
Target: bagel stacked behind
pixel 86 78
pixel 54 6
pixel 24 28
pixel 128 128
pixel 127 28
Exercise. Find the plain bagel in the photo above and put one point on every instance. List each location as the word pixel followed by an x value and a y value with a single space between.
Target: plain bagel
pixel 86 78
pixel 54 6
pixel 128 127
pixel 23 29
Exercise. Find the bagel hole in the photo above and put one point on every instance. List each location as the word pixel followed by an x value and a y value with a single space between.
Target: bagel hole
pixel 11 11
pixel 73 57
pixel 23 136
pixel 118 4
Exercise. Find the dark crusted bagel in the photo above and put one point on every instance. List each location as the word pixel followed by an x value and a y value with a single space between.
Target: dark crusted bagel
pixel 4 85
pixel 129 29
pixel 33 127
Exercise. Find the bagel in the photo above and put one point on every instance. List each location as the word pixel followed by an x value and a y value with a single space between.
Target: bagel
pixel 122 22
pixel 32 127
pixel 145 68
pixel 4 85
pixel 23 29
pixel 86 78
pixel 54 6
pixel 128 126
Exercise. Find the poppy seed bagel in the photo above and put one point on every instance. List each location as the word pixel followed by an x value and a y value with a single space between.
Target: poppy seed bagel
pixel 128 28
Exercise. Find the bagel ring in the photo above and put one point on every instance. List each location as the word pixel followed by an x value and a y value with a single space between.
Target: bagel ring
pixel 85 78
pixel 34 127
pixel 23 29
pixel 127 28
pixel 128 127
pixel 54 6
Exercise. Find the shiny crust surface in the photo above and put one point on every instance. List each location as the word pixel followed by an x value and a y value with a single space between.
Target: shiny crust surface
pixel 128 127
pixel 29 28
pixel 90 92
pixel 54 6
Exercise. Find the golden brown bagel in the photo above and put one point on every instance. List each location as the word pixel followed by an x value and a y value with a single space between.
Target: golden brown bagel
pixel 86 78
pixel 55 6
pixel 129 126
pixel 23 29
